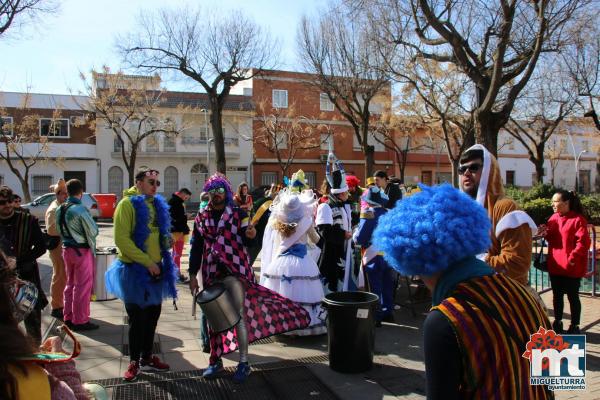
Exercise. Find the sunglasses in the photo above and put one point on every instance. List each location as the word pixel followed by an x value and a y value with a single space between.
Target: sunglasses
pixel 5 202
pixel 217 191
pixel 154 182
pixel 472 168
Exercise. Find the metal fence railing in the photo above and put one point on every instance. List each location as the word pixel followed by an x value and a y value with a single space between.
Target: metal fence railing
pixel 590 283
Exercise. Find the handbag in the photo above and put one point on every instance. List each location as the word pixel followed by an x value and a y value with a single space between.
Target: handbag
pixel 52 242
pixel 540 260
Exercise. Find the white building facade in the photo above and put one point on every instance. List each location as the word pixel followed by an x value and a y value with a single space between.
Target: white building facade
pixel 70 151
pixel 571 151
pixel 187 159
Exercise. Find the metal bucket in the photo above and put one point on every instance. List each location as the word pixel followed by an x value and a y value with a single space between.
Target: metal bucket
pixel 218 308
pixel 104 260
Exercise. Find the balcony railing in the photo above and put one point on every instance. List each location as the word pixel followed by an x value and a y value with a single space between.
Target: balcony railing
pixel 229 141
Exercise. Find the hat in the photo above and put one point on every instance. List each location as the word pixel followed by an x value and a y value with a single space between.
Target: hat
pixel 375 197
pixel 290 206
pixel 216 181
pixel 370 181
pixel 431 230
pixel 298 182
pixel 335 175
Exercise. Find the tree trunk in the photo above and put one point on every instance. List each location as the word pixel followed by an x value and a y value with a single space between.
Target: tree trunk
pixel 597 183
pixel 401 158
pixel 539 162
pixel 369 160
pixel 488 125
pixel 25 186
pixel 131 165
pixel 216 124
pixel 455 172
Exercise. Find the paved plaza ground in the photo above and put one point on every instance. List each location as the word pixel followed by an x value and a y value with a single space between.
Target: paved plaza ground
pixel 398 372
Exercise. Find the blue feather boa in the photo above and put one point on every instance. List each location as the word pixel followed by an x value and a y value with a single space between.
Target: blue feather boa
pixel 131 282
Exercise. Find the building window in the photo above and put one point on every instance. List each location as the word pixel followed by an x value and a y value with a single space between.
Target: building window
pixel 311 179
pixel 40 184
pixel 510 178
pixel 171 179
pixel 281 140
pixel 169 144
pixel 6 123
pixel 280 98
pixel 152 143
pixel 117 145
pixel 510 143
pixel 585 145
pixel 267 178
pixel 204 132
pixel 326 104
pixel 58 127
pixel 115 181
pixel 325 138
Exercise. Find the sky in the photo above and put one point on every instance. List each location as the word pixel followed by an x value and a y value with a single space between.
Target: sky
pixel 47 57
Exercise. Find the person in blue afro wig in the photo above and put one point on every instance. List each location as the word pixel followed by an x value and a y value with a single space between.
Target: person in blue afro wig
pixel 480 319
pixel 427 232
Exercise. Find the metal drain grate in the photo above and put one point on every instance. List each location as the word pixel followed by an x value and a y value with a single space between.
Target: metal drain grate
pixel 285 383
pixel 155 348
pixel 266 340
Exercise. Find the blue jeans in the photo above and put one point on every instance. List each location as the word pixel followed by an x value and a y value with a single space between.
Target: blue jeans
pixel 383 280
pixel 204 331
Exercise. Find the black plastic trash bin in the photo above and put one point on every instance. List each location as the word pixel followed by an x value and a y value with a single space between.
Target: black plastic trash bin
pixel 351 330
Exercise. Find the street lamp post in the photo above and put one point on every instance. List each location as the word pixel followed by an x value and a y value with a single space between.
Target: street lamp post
pixel 577 169
pixel 208 142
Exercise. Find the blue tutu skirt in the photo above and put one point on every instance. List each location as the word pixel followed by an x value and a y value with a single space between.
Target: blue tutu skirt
pixel 132 283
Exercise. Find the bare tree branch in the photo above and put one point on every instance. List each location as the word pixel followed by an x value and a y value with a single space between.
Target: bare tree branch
pixel 216 50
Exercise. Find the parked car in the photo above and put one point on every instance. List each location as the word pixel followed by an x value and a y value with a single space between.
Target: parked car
pixel 39 206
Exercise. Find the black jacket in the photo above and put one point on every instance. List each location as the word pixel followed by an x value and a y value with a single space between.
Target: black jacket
pixel 393 192
pixel 178 217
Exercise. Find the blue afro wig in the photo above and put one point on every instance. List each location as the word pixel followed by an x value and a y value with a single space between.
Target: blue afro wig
pixel 431 230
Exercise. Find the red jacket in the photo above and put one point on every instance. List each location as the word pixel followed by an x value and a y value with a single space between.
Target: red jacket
pixel 568 240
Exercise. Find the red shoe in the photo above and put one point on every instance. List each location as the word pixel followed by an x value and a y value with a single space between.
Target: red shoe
pixel 153 364
pixel 132 371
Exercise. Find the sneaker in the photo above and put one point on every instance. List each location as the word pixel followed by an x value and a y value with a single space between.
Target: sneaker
pixel 574 330
pixel 153 364
pixel 133 369
pixel 206 348
pixel 213 370
pixel 557 326
pixel 241 373
pixel 88 326
pixel 183 279
pixel 57 313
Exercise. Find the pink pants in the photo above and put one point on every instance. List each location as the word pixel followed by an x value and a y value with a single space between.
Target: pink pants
pixel 178 242
pixel 80 280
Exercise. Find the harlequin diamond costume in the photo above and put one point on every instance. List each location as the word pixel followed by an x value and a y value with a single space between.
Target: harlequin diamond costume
pixel 224 259
pixel 334 219
pixel 288 267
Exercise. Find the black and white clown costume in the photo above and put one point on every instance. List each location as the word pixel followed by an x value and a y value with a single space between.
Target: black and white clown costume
pixel 334 219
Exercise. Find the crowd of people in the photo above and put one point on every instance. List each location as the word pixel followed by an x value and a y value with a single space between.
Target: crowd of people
pixel 471 247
